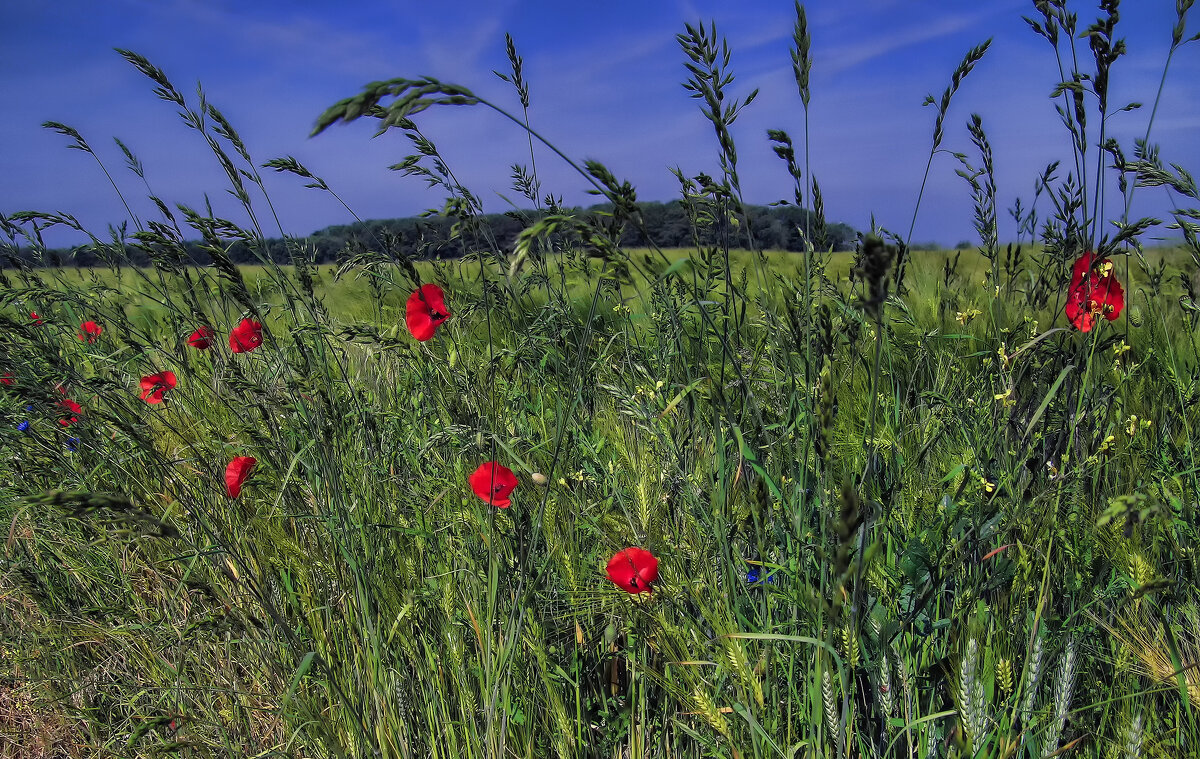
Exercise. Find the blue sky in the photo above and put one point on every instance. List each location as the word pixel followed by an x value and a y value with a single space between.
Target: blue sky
pixel 605 81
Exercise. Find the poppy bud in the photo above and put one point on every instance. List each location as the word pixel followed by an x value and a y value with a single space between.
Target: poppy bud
pixel 539 478
pixel 610 633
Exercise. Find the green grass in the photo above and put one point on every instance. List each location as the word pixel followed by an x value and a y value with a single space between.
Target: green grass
pixel 979 528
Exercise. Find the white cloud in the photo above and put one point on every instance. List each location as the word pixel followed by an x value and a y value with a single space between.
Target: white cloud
pixel 295 39
pixel 454 54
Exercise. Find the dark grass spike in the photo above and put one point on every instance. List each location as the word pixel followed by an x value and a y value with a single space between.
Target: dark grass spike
pixel 517 79
pixel 165 90
pixel 873 263
pixel 820 230
pixel 1181 10
pixel 289 165
pixel 983 189
pixel 225 129
pixel 132 162
pixel 81 144
pixel 973 56
pixel 526 183
pixel 801 54
pixel 1049 27
pixel 1105 51
pixel 784 149
pixel 410 96
pixel 66 131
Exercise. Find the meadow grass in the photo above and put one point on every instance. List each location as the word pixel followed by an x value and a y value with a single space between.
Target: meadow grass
pixel 901 506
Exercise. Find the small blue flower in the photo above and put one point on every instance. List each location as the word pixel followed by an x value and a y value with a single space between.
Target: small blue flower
pixel 754 577
pixel 72 444
pixel 23 426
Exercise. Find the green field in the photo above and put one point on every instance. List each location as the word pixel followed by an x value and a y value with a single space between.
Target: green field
pixel 358 579
pixel 903 504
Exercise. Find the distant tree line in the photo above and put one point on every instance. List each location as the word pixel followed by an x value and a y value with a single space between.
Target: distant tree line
pixel 665 224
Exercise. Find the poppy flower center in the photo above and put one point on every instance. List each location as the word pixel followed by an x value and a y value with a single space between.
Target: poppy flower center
pixel 633 581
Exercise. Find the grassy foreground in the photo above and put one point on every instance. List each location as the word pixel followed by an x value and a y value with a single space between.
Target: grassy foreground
pixel 902 506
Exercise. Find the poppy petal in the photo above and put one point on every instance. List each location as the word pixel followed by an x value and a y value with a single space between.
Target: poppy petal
pixel 202 338
pixel 71 415
pixel 90 331
pixel 155 386
pixel 493 483
pixel 425 310
pixel 633 569
pixel 1082 266
pixel 236 473
pixel 1094 291
pixel 1114 299
pixel 246 336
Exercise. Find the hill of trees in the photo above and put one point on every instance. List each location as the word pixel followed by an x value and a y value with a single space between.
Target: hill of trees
pixel 667 224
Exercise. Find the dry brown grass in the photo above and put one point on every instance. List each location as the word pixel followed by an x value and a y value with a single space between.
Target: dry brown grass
pixel 29 731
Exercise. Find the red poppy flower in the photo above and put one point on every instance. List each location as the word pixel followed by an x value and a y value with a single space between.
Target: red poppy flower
pixel 36 319
pixel 633 569
pixel 71 415
pixel 6 379
pixel 236 474
pixel 425 310
pixel 202 338
pixel 1082 266
pixel 493 483
pixel 155 386
pixel 246 336
pixel 1094 292
pixel 89 331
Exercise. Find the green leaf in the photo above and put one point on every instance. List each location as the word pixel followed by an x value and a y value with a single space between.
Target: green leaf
pixel 301 671
pixel 1041 409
